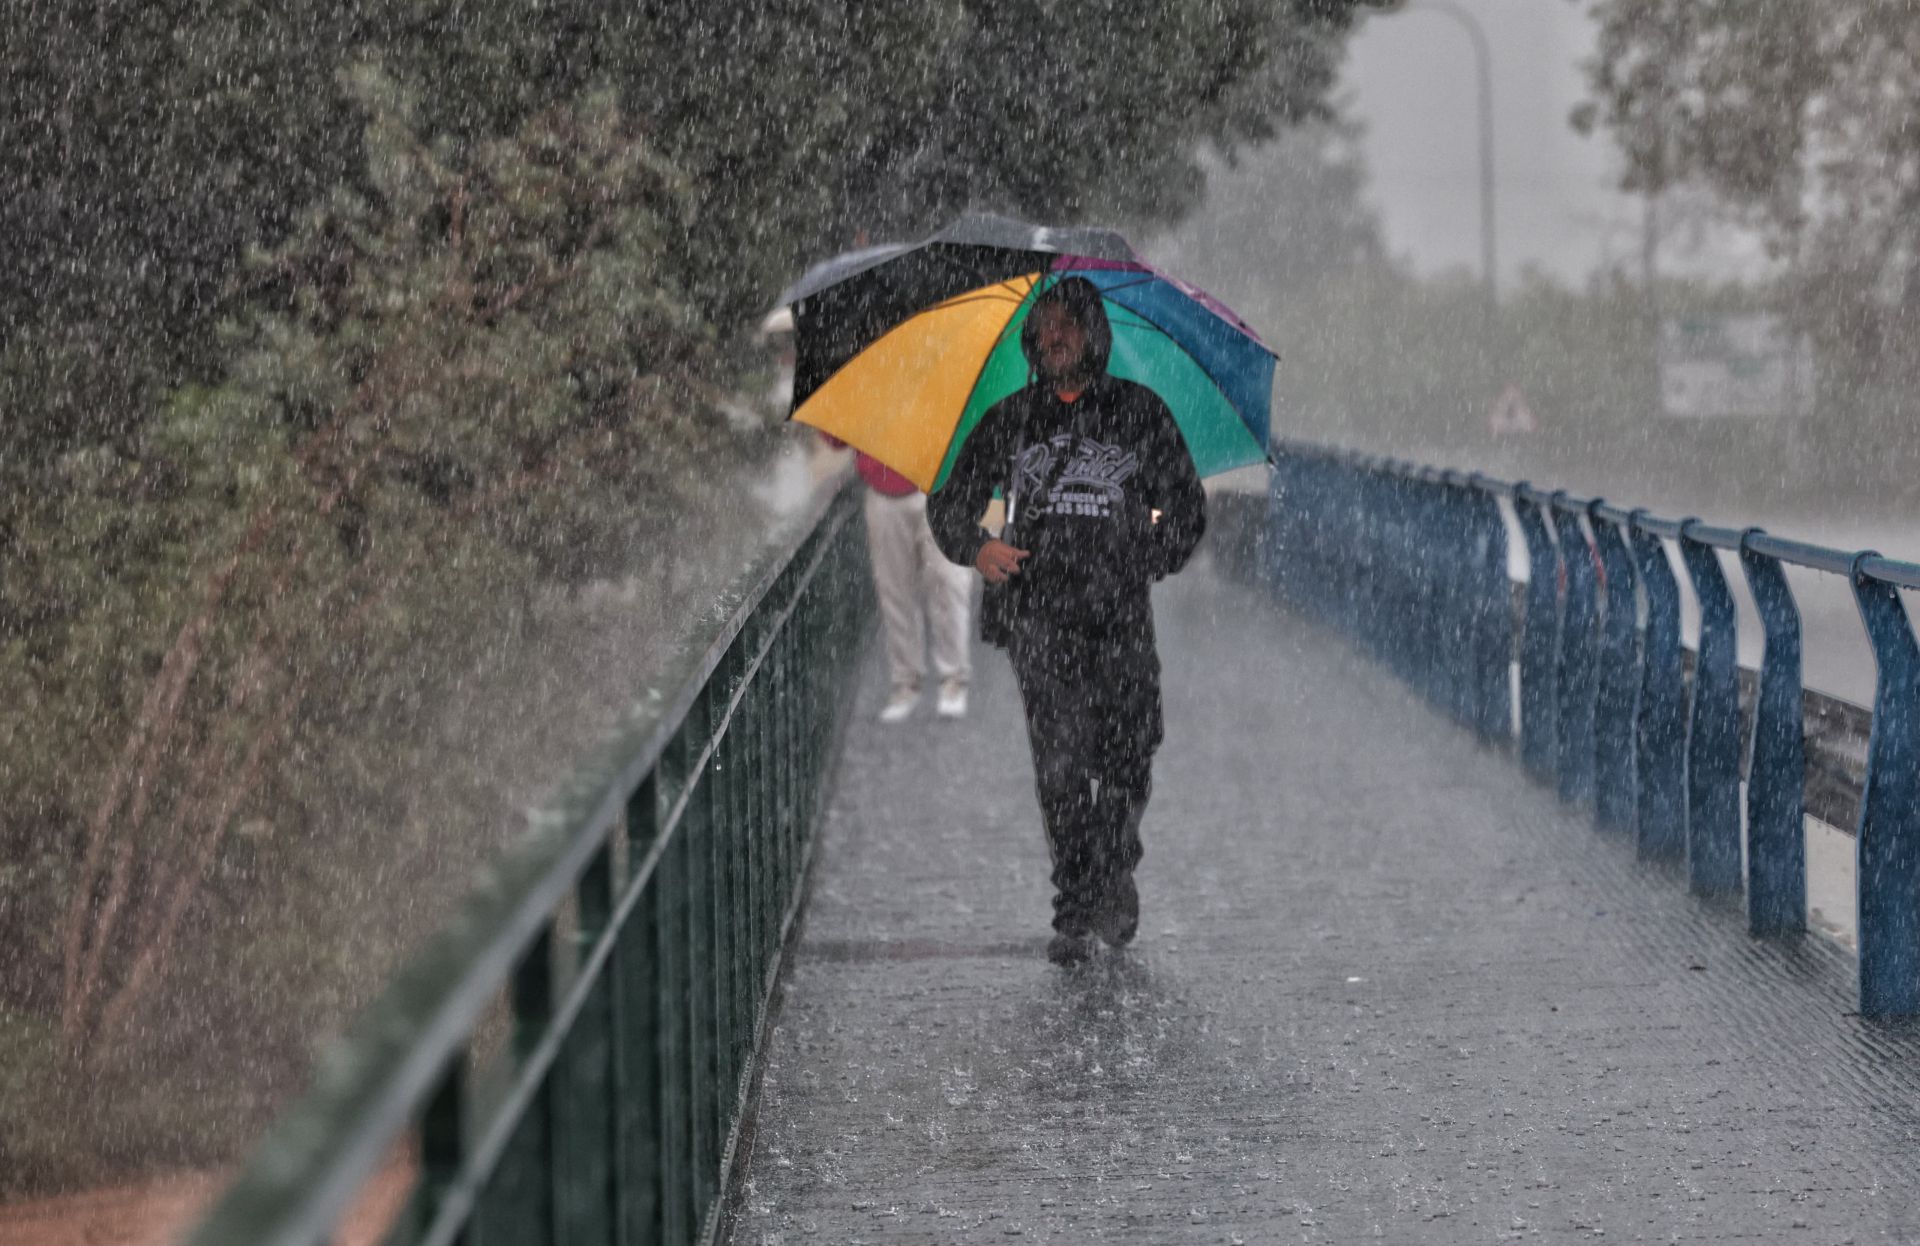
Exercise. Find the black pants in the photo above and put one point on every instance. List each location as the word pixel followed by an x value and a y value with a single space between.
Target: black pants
pixel 1093 719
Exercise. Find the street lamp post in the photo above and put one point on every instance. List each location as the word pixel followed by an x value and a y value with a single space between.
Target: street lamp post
pixel 1483 63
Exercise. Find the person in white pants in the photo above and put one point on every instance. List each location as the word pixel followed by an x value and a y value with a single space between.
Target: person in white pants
pixel 923 596
pixel 920 593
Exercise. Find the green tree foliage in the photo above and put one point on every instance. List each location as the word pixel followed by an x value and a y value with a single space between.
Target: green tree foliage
pixel 809 121
pixel 144 147
pixel 346 352
pixel 472 381
pixel 155 143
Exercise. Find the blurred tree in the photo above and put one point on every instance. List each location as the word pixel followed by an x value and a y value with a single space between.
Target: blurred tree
pixel 1287 238
pixel 1376 356
pixel 1278 218
pixel 1801 119
pixel 1713 90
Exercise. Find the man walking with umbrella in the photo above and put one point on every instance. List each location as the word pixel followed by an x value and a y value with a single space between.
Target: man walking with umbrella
pixel 1102 499
pixel 1093 391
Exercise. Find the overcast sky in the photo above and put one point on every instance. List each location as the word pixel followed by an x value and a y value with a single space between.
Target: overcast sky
pixel 1410 80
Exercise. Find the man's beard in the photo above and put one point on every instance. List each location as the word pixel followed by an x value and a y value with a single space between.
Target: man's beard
pixel 1079 373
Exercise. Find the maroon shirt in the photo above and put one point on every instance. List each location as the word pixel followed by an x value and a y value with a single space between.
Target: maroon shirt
pixel 879 477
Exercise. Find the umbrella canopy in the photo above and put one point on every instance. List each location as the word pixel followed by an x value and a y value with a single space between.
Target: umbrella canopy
pixel 901 349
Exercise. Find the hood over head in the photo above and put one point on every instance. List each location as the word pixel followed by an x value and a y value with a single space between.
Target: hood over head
pixel 1080 299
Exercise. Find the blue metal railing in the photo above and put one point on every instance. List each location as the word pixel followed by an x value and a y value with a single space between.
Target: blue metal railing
pixel 1411 562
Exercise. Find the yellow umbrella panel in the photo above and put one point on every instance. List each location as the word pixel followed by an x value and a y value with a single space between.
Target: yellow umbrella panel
pixel 901 399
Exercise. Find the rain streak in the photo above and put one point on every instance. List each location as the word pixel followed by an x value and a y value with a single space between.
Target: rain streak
pixel 1216 621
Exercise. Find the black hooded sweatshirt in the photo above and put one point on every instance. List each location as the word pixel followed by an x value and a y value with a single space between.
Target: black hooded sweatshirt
pixel 1090 475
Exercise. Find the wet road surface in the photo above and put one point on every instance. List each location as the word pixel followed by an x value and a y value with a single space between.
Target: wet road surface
pixel 1385 988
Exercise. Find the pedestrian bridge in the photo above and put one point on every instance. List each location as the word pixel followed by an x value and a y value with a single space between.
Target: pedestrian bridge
pixel 1441 940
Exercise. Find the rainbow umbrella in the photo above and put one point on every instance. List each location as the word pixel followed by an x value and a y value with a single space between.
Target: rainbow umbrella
pixel 901 349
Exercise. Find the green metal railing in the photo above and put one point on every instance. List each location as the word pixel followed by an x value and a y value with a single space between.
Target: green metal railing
pixel 621 959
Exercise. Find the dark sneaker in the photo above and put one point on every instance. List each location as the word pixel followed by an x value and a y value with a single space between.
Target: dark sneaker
pixel 1120 921
pixel 1068 949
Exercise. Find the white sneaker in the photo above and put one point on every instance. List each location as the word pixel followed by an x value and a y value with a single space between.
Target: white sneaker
pixel 899 706
pixel 953 699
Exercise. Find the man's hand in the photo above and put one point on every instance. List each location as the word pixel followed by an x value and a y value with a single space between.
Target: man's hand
pixel 997 560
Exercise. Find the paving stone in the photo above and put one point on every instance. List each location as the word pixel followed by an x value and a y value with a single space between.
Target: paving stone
pixel 1385 987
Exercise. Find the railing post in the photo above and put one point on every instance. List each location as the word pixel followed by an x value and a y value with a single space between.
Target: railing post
pixel 443 1147
pixel 1315 577
pixel 1616 680
pixel 696 834
pixel 1578 616
pixel 1416 572
pixel 1419 571
pixel 675 1006
pixel 587 1188
pixel 1660 811
pixel 1451 540
pixel 766 824
pixel 1285 550
pixel 518 1204
pixel 1492 617
pixel 638 1118
pixel 1432 553
pixel 1335 568
pixel 715 984
pixel 1321 575
pixel 729 936
pixel 1363 604
pixel 1400 623
pixel 1275 546
pixel 788 710
pixel 1713 730
pixel 1538 637
pixel 1451 522
pixel 1393 587
pixel 1889 828
pixel 1414 578
pixel 1776 775
pixel 1360 588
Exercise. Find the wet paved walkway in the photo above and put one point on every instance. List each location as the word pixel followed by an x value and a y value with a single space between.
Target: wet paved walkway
pixel 1385 988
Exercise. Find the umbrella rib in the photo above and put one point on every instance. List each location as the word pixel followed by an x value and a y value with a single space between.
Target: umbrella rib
pixel 985 294
pixel 1139 321
pixel 947 261
pixel 999 291
pixel 1165 332
pixel 973 296
pixel 987 357
pixel 942 258
pixel 1153 275
pixel 1201 367
pixel 1147 279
